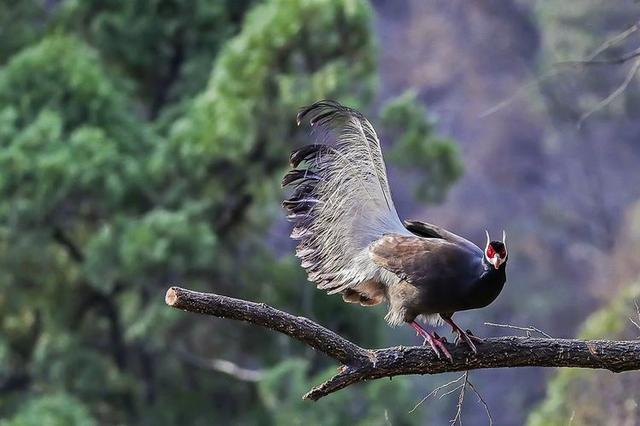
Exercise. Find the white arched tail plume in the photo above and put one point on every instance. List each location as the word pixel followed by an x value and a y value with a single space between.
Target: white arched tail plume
pixel 341 201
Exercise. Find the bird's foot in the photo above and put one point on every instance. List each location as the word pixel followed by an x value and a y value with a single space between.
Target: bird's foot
pixel 437 344
pixel 434 340
pixel 468 337
pixel 441 338
pixel 474 337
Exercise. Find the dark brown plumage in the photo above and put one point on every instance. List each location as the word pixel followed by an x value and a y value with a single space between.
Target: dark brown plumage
pixel 352 242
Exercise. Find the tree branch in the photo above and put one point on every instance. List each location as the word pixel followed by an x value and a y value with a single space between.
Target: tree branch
pixel 609 61
pixel 303 329
pixel 360 364
pixel 220 365
pixel 617 92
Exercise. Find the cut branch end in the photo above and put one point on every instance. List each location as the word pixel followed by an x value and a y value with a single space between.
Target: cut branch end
pixel 171 297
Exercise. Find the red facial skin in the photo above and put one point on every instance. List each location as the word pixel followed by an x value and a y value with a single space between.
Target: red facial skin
pixel 491 252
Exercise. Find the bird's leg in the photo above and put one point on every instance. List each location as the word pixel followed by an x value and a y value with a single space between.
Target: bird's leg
pixel 467 336
pixel 435 341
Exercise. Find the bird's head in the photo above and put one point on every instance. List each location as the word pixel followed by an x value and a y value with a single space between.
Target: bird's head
pixel 495 252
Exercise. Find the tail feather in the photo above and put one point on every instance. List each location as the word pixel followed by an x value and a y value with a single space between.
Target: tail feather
pixel 303 176
pixel 341 201
pixel 306 152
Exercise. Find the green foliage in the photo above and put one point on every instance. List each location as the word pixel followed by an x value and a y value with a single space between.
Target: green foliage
pixel 21 23
pixel 51 410
pixel 66 131
pixel 283 385
pixel 62 74
pixel 165 47
pixel 416 148
pixel 257 83
pixel 141 145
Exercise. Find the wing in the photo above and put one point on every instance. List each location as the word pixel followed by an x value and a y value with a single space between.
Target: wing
pixel 423 261
pixel 341 201
pixel 428 230
pixel 407 257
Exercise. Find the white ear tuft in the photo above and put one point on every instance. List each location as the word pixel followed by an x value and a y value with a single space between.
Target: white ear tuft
pixel 488 238
pixel 504 238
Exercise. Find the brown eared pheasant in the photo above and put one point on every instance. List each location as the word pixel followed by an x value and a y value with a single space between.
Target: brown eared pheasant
pixel 352 242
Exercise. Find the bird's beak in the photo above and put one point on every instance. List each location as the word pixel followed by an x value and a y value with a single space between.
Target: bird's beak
pixel 495 261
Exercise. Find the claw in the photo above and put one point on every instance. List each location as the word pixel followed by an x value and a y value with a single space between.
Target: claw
pixel 439 342
pixel 469 342
pixel 434 340
pixel 474 337
pixel 466 336
pixel 432 344
pixel 437 336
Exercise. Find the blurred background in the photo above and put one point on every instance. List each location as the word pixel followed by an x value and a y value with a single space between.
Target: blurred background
pixel 142 143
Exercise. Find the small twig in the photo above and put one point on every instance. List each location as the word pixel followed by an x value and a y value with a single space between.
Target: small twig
pixel 466 382
pixel 435 392
pixel 520 91
pixel 484 403
pixel 609 61
pixel 616 39
pixel 637 324
pixel 529 329
pixel 606 101
pixel 458 417
pixel 221 365
pixel 454 389
pixel 559 67
pixel 387 421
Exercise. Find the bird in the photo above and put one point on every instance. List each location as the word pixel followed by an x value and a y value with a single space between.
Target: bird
pixel 352 242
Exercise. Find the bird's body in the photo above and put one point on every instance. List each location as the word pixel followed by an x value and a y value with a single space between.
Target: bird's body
pixel 447 277
pixel 352 241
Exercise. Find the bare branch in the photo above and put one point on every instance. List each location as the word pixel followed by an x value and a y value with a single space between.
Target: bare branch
pixel 359 365
pixel 463 387
pixel 220 365
pixel 637 324
pixel 435 392
pixel 616 39
pixel 621 88
pixel 529 329
pixel 483 402
pixel 609 61
pixel 521 91
pixel 457 387
pixel 300 328
pixel 560 67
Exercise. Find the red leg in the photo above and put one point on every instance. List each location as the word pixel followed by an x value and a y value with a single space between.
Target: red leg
pixel 462 335
pixel 436 343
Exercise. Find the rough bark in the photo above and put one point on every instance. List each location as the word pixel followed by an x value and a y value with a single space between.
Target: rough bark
pixel 359 364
